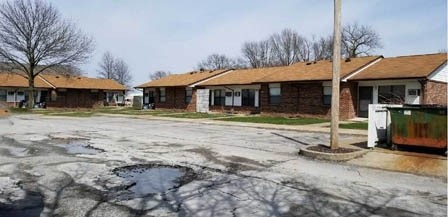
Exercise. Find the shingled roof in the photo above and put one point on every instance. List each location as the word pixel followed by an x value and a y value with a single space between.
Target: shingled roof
pixel 80 82
pixel 16 80
pixel 415 66
pixel 59 81
pixel 303 71
pixel 319 70
pixel 180 80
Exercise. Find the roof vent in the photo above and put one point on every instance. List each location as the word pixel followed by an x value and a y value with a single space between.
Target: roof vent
pixel 348 60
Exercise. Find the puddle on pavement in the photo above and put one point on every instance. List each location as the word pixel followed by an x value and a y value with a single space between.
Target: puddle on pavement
pixel 149 179
pixel 79 147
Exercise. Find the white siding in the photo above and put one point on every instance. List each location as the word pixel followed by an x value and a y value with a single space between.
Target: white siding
pixel 440 74
pixel 236 96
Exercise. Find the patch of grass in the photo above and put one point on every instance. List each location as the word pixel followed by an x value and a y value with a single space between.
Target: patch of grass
pixel 130 111
pixel 277 120
pixel 20 110
pixel 193 115
pixel 355 125
pixel 72 114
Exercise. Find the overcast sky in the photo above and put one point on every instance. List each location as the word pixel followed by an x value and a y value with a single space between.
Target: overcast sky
pixel 175 35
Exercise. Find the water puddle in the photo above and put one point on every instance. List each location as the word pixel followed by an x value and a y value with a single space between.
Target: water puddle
pixel 146 179
pixel 80 147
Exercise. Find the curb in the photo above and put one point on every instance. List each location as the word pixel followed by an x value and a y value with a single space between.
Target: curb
pixel 332 156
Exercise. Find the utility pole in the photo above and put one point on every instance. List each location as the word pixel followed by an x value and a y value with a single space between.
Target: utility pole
pixel 334 137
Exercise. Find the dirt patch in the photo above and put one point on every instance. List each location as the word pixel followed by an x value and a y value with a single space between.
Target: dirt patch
pixel 325 149
pixel 4 113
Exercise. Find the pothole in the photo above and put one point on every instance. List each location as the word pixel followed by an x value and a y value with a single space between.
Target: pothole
pixel 149 179
pixel 16 201
pixel 79 146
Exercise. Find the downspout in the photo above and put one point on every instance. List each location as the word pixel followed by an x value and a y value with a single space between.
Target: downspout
pixel 233 97
pixel 422 90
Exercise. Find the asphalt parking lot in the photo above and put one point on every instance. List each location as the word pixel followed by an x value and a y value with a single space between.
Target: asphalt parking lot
pixel 104 166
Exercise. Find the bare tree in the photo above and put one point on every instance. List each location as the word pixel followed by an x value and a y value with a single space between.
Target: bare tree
pixel 221 61
pixel 258 54
pixel 289 47
pixel 121 72
pixel 322 48
pixel 32 34
pixel 114 68
pixel 158 74
pixel 215 61
pixel 359 40
pixel 107 65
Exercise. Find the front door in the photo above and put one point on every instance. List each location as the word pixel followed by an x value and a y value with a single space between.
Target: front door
pixel 365 98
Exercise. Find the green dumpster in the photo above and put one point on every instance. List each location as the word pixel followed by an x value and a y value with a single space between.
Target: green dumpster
pixel 419 126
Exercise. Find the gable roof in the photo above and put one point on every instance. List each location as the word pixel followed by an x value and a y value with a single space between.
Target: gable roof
pixel 59 81
pixel 186 79
pixel 241 76
pixel 80 82
pixel 415 66
pixel 302 71
pixel 15 80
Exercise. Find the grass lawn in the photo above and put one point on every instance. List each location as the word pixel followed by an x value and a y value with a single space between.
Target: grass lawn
pixel 192 115
pixel 357 126
pixel 71 114
pixel 276 120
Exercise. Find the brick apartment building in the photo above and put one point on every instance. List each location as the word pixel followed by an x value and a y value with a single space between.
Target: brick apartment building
pixel 176 91
pixel 305 88
pixel 60 90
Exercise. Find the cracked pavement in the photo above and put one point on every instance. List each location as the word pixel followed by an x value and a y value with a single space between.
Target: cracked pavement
pixel 239 171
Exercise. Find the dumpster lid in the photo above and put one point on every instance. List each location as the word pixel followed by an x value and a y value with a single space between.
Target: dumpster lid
pixel 423 106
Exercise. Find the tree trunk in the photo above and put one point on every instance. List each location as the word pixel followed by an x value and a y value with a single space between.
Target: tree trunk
pixel 30 91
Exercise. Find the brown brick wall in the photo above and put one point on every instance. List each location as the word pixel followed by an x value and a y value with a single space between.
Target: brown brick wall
pixel 434 93
pixel 75 98
pixel 307 99
pixel 175 99
pixel 297 98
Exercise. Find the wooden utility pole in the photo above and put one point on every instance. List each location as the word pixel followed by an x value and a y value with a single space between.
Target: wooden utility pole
pixel 334 137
